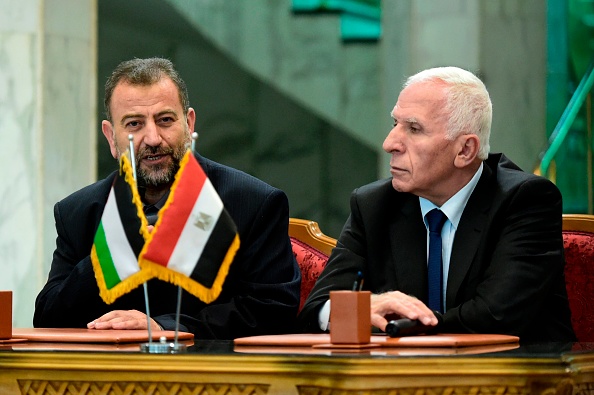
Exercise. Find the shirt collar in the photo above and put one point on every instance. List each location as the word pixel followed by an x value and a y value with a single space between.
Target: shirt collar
pixel 454 206
pixel 159 204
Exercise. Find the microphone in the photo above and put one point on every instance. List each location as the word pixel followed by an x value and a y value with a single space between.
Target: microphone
pixel 408 327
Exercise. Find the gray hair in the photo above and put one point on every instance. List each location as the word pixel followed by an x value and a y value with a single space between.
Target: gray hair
pixel 145 72
pixel 468 106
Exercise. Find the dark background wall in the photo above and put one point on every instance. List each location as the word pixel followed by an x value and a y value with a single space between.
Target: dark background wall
pixel 242 121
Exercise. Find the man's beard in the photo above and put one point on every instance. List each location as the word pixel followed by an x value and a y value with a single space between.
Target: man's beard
pixel 162 174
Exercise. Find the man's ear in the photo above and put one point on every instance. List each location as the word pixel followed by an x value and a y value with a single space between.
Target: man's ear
pixel 108 132
pixel 468 151
pixel 191 120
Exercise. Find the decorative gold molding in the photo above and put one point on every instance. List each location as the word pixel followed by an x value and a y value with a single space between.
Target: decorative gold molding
pixel 584 389
pixel 39 387
pixel 458 390
pixel 113 373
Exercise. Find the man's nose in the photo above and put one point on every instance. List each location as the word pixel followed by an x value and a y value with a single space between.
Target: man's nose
pixel 393 141
pixel 152 135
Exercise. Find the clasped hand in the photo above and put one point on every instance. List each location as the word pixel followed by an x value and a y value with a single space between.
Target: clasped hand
pixel 399 304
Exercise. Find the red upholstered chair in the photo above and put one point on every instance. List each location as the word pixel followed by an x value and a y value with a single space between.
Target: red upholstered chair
pixel 578 241
pixel 311 249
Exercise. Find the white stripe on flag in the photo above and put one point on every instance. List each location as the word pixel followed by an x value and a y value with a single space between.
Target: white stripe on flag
pixel 193 238
pixel 124 259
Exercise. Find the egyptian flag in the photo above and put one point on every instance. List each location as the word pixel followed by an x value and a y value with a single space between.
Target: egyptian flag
pixel 194 240
pixel 119 238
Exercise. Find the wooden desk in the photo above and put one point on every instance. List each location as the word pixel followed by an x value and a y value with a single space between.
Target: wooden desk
pixel 214 368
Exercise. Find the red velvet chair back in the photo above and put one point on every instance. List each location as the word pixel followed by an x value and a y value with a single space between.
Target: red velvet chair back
pixel 311 248
pixel 578 241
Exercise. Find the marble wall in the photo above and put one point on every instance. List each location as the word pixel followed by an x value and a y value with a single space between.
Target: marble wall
pixel 47 101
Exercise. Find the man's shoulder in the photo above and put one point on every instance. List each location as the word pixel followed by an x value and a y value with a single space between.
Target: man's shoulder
pixel 223 176
pixel 379 198
pixel 96 191
pixel 509 175
pixel 376 187
pixel 377 190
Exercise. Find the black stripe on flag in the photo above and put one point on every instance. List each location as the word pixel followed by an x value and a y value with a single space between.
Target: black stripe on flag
pixel 128 213
pixel 215 250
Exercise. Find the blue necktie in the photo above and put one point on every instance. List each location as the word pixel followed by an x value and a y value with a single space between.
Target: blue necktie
pixel 435 220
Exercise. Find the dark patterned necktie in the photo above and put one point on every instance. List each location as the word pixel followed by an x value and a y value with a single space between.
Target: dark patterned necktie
pixel 435 220
pixel 152 214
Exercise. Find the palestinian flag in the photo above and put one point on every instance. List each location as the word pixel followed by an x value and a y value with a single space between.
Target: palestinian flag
pixel 119 238
pixel 194 240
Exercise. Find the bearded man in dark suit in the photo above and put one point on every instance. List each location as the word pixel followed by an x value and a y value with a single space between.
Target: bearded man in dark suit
pixel 148 99
pixel 501 243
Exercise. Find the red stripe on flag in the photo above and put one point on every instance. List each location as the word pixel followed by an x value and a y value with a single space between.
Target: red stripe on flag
pixel 185 194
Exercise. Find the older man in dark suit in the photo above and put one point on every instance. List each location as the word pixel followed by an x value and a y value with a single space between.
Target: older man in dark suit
pixel 147 99
pixel 499 251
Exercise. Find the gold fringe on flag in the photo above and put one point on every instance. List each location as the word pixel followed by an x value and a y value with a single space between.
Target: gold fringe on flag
pixel 110 295
pixel 207 295
pixel 126 166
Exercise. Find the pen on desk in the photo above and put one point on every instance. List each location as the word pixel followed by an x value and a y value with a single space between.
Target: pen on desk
pixel 358 282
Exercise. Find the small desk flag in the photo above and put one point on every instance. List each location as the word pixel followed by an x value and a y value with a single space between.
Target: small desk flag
pixel 119 238
pixel 194 240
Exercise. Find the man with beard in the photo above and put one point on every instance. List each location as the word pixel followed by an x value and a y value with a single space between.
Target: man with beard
pixel 146 98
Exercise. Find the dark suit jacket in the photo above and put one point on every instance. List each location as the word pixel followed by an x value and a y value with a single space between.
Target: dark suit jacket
pixel 506 267
pixel 259 296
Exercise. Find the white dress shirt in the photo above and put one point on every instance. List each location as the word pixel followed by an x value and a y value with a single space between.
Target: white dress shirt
pixel 453 209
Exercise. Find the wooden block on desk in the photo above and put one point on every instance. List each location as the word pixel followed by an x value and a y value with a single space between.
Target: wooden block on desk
pixel 350 317
pixel 5 315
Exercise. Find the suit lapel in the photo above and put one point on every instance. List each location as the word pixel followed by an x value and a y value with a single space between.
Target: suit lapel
pixel 468 235
pixel 408 239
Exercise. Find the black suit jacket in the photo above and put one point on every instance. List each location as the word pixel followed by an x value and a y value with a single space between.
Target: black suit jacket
pixel 506 267
pixel 260 294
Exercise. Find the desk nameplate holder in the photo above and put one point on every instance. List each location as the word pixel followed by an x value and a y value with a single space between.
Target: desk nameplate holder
pixel 163 347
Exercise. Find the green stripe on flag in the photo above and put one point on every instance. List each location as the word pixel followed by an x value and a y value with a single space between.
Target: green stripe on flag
pixel 110 273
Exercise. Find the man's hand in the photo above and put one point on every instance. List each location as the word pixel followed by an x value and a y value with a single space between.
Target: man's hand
pixel 403 305
pixel 122 319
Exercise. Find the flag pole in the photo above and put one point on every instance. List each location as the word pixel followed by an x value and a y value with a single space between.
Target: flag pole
pixel 177 313
pixel 194 139
pixel 144 285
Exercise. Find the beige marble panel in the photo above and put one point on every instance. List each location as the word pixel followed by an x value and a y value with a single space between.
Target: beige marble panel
pixel 19 200
pixel 68 107
pixel 19 16
pixel 47 127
